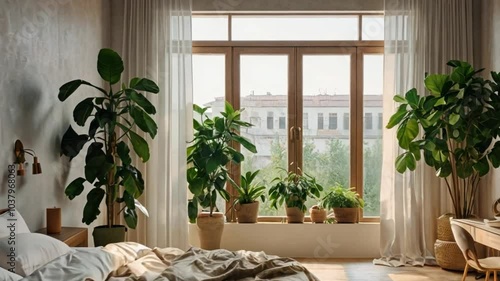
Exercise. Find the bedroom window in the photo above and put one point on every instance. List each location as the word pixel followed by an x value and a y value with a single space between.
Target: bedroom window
pixel 288 65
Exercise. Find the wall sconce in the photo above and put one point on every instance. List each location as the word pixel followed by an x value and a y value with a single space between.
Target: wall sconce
pixel 19 151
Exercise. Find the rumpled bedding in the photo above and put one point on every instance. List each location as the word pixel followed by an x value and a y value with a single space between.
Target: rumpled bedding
pixel 131 261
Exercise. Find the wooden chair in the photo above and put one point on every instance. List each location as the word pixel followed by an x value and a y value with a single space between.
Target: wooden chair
pixel 466 244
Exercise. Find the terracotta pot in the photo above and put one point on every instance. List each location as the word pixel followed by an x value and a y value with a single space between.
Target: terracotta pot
pixel 247 213
pixel 317 215
pixel 346 215
pixel 294 215
pixel 210 230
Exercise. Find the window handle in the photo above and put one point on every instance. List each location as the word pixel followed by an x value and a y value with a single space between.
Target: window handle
pixel 292 133
pixel 299 129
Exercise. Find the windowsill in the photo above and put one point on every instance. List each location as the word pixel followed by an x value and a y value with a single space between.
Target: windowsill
pixel 360 240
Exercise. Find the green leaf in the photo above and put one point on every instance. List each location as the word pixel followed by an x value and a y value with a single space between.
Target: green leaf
pixel 143 121
pixel 435 82
pixel 83 110
pixel 141 100
pixel 104 117
pixel 410 162
pixel 401 164
pixel 124 153
pixel 462 73
pixel 407 132
pixel 444 171
pixel 75 188
pixel 440 101
pixel 192 210
pixel 412 98
pixel 70 87
pixel 72 143
pixel 453 119
pixel 397 117
pixel 246 143
pixel 141 208
pixel 145 85
pixel 97 167
pixel 109 65
pixel 91 209
pixel 94 125
pixel 228 108
pixel 130 216
pixel 400 99
pixel 140 146
pixel 130 185
pixel 482 166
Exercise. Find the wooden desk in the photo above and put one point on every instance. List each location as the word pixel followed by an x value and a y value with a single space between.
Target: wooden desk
pixel 72 236
pixel 486 235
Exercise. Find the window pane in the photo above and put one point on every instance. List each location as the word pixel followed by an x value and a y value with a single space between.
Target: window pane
pixel 210 28
pixel 320 121
pixel 209 88
pixel 263 93
pixel 372 28
pixel 209 81
pixel 326 92
pixel 372 138
pixel 274 28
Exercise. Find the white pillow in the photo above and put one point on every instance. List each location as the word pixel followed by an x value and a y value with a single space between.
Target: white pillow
pixel 30 252
pixel 6 275
pixel 6 220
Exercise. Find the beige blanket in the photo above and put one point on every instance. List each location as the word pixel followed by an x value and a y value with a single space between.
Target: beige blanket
pixel 136 262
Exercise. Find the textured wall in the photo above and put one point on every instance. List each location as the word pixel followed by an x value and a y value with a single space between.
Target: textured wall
pixel 43 44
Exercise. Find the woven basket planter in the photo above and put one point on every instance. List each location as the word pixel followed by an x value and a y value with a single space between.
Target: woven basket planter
pixel 444 232
pixel 346 215
pixel 449 256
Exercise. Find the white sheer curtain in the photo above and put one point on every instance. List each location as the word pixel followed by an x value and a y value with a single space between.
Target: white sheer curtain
pixel 154 39
pixel 420 36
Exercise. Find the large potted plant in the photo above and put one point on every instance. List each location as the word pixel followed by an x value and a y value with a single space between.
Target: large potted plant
pixel 246 203
pixel 456 127
pixel 114 114
pixel 344 202
pixel 208 156
pixel 293 190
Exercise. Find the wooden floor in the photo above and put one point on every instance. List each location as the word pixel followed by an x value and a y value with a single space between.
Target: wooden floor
pixel 363 270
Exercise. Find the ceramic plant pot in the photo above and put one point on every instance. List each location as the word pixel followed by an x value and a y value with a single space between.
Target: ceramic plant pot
pixel 210 230
pixel 317 215
pixel 247 213
pixel 294 215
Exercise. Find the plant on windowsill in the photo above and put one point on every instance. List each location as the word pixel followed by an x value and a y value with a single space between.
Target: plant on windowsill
pixel 456 126
pixel 247 204
pixel 344 202
pixel 318 213
pixel 208 156
pixel 293 190
pixel 107 162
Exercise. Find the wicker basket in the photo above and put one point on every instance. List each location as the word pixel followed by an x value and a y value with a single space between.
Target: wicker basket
pixel 444 232
pixel 448 255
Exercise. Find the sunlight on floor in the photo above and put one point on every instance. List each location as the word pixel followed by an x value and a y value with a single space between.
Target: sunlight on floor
pixel 408 277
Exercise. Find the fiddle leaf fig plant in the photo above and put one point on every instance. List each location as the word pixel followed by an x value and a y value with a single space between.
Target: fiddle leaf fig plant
pixel 114 114
pixel 459 124
pixel 209 154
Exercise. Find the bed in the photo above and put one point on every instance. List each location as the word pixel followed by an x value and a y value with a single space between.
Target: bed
pixel 36 257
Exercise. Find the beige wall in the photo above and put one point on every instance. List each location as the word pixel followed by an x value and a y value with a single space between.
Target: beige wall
pixel 288 5
pixel 43 44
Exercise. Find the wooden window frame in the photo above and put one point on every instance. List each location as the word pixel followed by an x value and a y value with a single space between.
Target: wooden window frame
pixel 295 50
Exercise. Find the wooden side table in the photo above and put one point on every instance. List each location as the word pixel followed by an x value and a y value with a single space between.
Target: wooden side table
pixel 72 236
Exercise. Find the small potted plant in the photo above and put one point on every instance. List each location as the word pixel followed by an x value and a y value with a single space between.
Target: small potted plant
pixel 345 204
pixel 318 213
pixel 294 190
pixel 207 157
pixel 246 204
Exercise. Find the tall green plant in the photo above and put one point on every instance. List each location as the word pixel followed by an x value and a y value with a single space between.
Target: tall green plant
pixel 460 123
pixel 248 191
pixel 108 164
pixel 209 154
